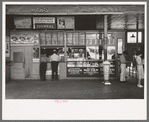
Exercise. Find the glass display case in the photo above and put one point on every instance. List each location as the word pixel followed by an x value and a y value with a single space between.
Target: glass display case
pixel 111 52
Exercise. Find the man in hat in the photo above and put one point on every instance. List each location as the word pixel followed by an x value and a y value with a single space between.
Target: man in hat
pixel 54 64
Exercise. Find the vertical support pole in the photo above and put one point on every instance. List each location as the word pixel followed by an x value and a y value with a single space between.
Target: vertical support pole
pixel 105 37
pixel 65 47
pixel 137 31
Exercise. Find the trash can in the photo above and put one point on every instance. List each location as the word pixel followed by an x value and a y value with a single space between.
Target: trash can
pixel 106 72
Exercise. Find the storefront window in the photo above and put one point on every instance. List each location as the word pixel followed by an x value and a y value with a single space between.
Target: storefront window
pixel 75 54
pixel 139 37
pixel 60 38
pixel 91 39
pixel 42 38
pixel 131 37
pixel 69 39
pixel 111 52
pixel 92 52
pixel 111 40
pixel 76 38
pixel 82 39
pixel 54 38
pixel 48 39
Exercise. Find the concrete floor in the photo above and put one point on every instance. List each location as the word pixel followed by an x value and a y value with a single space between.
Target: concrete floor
pixel 73 89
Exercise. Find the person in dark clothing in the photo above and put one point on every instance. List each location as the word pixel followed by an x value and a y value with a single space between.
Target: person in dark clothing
pixel 54 64
pixel 43 67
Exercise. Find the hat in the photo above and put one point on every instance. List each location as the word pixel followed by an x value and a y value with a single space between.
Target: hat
pixel 138 53
pixel 54 51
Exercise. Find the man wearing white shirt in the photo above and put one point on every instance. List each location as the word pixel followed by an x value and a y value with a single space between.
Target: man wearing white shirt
pixel 54 64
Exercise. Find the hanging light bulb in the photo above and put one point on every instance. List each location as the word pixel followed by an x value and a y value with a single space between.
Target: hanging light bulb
pixel 132 36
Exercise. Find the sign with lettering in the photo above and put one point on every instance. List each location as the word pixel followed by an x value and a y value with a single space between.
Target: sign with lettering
pixel 22 22
pixel 74 71
pixel 65 22
pixel 83 71
pixel 44 23
pixel 90 71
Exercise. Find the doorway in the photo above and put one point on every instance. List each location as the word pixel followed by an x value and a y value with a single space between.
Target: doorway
pixel 22 62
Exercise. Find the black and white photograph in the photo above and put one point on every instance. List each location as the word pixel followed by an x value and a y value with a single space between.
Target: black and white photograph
pixel 74 60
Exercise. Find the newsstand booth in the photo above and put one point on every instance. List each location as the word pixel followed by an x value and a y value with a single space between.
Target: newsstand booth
pixel 80 43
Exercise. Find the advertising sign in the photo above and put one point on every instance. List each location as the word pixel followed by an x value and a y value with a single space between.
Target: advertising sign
pixel 83 71
pixel 74 71
pixel 24 38
pixel 65 22
pixel 91 71
pixel 44 23
pixel 36 54
pixel 22 22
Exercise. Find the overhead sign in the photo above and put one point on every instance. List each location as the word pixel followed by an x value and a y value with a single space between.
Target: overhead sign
pixel 22 22
pixel 24 38
pixel 65 22
pixel 44 23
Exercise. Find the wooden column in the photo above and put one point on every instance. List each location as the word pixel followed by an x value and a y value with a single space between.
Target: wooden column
pixel 105 37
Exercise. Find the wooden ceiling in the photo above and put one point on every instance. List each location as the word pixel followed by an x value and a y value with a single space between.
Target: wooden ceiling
pixel 125 17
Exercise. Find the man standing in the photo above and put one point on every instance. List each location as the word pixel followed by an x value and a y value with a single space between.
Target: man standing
pixel 54 64
pixel 123 61
pixel 43 67
pixel 140 72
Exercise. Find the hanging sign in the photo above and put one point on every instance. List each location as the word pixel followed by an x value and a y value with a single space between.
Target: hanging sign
pixel 65 22
pixel 22 22
pixel 17 38
pixel 44 23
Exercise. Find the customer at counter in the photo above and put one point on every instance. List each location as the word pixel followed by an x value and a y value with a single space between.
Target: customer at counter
pixel 54 59
pixel 43 66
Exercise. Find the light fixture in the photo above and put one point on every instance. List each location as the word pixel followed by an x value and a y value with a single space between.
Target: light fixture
pixel 132 36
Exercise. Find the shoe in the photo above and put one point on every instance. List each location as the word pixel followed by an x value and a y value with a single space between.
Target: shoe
pixel 56 79
pixel 140 86
pixel 52 79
